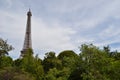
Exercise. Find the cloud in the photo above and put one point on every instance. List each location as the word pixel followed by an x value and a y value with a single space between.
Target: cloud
pixel 61 24
pixel 110 31
pixel 45 36
pixel 97 14
pixel 51 37
pixel 12 29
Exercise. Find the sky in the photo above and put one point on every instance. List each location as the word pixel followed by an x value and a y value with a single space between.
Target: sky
pixel 59 25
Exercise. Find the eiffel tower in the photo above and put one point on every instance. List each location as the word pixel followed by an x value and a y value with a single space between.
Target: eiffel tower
pixel 27 41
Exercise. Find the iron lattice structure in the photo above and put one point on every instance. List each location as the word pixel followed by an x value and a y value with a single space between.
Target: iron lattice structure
pixel 27 41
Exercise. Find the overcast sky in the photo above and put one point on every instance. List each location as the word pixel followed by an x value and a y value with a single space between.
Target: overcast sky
pixel 59 25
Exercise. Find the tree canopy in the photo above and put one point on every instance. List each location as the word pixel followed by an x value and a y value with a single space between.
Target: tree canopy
pixel 91 63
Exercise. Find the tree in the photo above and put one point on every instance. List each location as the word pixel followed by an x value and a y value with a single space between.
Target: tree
pixel 106 49
pixel 68 58
pixel 55 74
pixel 67 53
pixel 12 73
pixel 31 64
pixel 4 47
pixel 6 61
pixel 92 64
pixel 50 61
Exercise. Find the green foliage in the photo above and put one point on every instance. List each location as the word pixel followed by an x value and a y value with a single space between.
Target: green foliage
pixel 67 53
pixel 55 74
pixel 115 55
pixel 32 65
pixel 91 64
pixel 10 73
pixel 4 47
pixel 5 61
pixel 51 61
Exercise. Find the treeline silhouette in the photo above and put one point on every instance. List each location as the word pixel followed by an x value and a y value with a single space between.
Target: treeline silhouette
pixel 92 63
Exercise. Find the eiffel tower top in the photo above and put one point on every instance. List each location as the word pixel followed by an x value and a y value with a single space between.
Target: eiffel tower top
pixel 29 13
